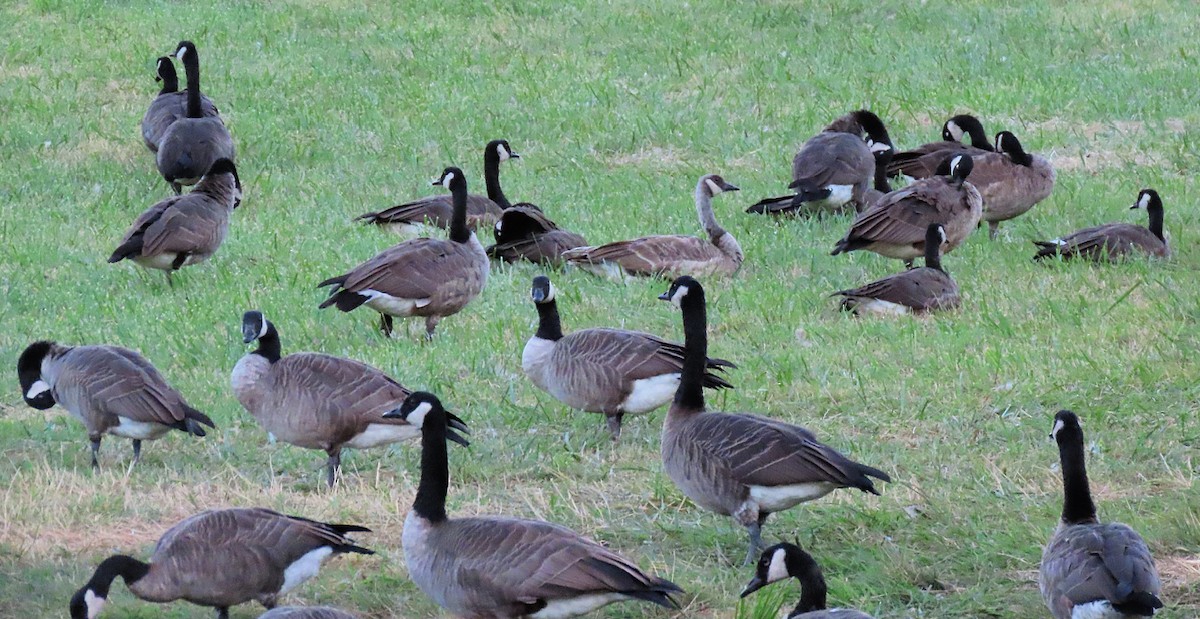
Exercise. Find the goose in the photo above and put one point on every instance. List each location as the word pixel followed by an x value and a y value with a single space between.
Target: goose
pixel 1011 181
pixel 896 225
pixel 316 401
pixel 306 612
pixel 670 255
pixel 785 560
pixel 438 210
pixel 421 277
pixel 492 567
pixel 926 289
pixel 222 558
pixel 524 232
pixel 169 106
pixel 739 464
pixel 914 164
pixel 1114 241
pixel 1092 570
pixel 191 145
pixel 186 229
pixel 110 389
pixel 610 371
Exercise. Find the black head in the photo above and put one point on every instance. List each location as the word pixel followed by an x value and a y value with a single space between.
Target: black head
pixel 680 289
pixel 960 125
pixel 186 52
pixel 85 604
pixel 543 290
pixel 713 184
pixel 165 70
pixel 1008 144
pixel 422 407
pixel 254 326
pixel 1066 427
pixel 957 167
pixel 29 372
pixel 1147 199
pixel 873 126
pixel 501 150
pixel 779 562
pixel 451 178
pixel 935 234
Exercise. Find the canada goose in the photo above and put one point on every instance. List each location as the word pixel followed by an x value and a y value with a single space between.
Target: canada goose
pixel 1089 569
pixel 306 612
pixel 670 255
pixel 925 289
pixel 1010 180
pixel 915 164
pixel 1114 241
pixel 222 558
pixel 191 145
pixel 785 560
pixel 896 225
pixel 439 210
pixel 524 232
pixel 316 401
pixel 608 371
pixel 111 390
pixel 421 277
pixel 489 567
pixel 169 106
pixel 739 464
pixel 187 229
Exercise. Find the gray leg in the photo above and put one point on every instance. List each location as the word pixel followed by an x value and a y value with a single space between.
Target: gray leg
pixel 332 464
pixel 755 531
pixel 178 190
pixel 170 280
pixel 993 228
pixel 431 323
pixel 96 454
pixel 614 425
pixel 223 613
pixel 137 450
pixel 385 325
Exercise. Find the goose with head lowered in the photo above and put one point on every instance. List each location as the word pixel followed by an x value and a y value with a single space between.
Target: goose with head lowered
pixel 1114 241
pixel 524 232
pixel 739 464
pixel 431 278
pixel 783 561
pixel 492 567
pixel 169 106
pixel 307 612
pixel 916 163
pixel 222 558
pixel 609 371
pixel 191 144
pixel 926 289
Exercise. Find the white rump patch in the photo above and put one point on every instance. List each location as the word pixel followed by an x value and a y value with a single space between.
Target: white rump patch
pixel 1058 425
pixel 779 498
pixel 879 307
pixel 651 393
pixel 395 306
pixel 38 388
pixel 304 568
pixel 95 604
pixel 955 131
pixel 1100 609
pixel 840 194
pixel 417 416
pixel 162 262
pixel 680 293
pixel 778 569
pixel 712 186
pixel 141 430
pixel 573 607
pixel 379 434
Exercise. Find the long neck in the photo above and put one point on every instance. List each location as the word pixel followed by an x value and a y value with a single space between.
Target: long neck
pixel 268 344
pixel 690 393
pixel 459 233
pixel 128 568
pixel 933 252
pixel 191 67
pixel 813 589
pixel 1156 221
pixel 170 83
pixel 430 503
pixel 220 186
pixel 979 138
pixel 705 212
pixel 549 325
pixel 881 179
pixel 491 176
pixel 1078 507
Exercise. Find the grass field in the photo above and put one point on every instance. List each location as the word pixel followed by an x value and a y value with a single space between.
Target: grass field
pixel 616 108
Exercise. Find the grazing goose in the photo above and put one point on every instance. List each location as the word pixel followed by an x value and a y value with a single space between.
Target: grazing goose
pixel 1114 241
pixel 608 371
pixel 525 233
pixel 491 567
pixel 169 106
pixel 670 255
pixel 1092 570
pixel 739 464
pixel 439 210
pixel 926 289
pixel 896 225
pixel 111 390
pixel 316 401
pixel 915 164
pixel 191 145
pixel 421 277
pixel 306 612
pixel 785 560
pixel 222 558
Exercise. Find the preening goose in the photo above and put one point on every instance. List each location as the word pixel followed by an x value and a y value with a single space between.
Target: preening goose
pixel 491 567
pixel 191 144
pixel 439 210
pixel 1114 241
pixel 222 558
pixel 317 401
pixel 783 561
pixel 739 464
pixel 670 255
pixel 169 106
pixel 1010 180
pixel 610 371
pixel 917 164
pixel 111 390
pixel 1092 570
pixel 926 289
pixel 421 277
pixel 306 612
pixel 524 232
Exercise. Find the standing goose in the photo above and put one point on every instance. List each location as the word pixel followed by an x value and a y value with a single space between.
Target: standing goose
pixel 524 232
pixel 1114 241
pixel 491 567
pixel 926 289
pixel 670 255
pixel 111 390
pixel 317 401
pixel 1010 181
pixel 222 558
pixel 421 277
pixel 739 464
pixel 306 612
pixel 916 164
pixel 785 560
pixel 608 371
pixel 1092 570
pixel 439 210
pixel 191 145
pixel 169 106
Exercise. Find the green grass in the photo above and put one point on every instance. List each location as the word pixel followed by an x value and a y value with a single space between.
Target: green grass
pixel 616 108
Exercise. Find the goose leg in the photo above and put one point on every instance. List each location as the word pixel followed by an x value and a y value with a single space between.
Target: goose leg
pixel 95 454
pixel 332 465
pixel 755 531
pixel 614 425
pixel 993 228
pixel 385 325
pixel 170 280
pixel 178 190
pixel 137 450
pixel 223 612
pixel 431 323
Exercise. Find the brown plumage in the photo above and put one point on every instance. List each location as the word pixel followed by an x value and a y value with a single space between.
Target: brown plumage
pixel 524 232
pixel 916 162
pixel 169 106
pixel 785 560
pixel 1010 181
pixel 928 288
pixel 1114 241
pixel 307 612
pixel 192 144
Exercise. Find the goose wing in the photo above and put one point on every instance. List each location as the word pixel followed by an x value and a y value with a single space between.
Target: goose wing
pixel 414 269
pixel 344 394
pixel 436 210
pixel 189 225
pixel 1089 563
pixel 924 288
pixel 650 255
pixel 902 217
pixel 626 356
pixel 107 380
pixel 832 159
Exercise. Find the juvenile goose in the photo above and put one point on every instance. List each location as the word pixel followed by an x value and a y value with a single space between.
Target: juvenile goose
pixel 421 277
pixel 926 289
pixel 915 164
pixel 169 106
pixel 191 145
pixel 1114 241
pixel 1092 570
pixel 222 558
pixel 608 371
pixel 317 401
pixel 670 255
pixel 785 560
pixel 491 567
pixel 739 464
pixel 439 210
pixel 111 390
pixel 306 612
pixel 524 232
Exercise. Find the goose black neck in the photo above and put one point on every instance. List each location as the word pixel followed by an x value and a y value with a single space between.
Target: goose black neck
pixel 1078 507
pixel 491 176
pixel 1019 156
pixel 1156 220
pixel 873 126
pixel 933 250
pixel 170 82
pixel 430 503
pixel 549 324
pixel 690 394
pixel 459 233
pixel 268 344
pixel 813 591
pixel 979 137
pixel 191 68
pixel 128 568
pixel 881 175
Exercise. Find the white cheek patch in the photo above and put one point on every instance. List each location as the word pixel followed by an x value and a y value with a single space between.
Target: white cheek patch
pixel 1058 425
pixel 878 147
pixel 550 292
pixel 181 53
pixel 1144 201
pixel 37 388
pixel 942 233
pixel 417 416
pixel 262 330
pixel 95 604
pixel 712 186
pixel 956 132
pixel 680 293
pixel 778 569
pixel 502 152
pixel 498 225
pixel 954 164
pixel 447 178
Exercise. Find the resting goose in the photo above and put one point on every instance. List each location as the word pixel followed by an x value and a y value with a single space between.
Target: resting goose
pixel 192 144
pixel 926 289
pixel 1010 180
pixel 222 558
pixel 111 390
pixel 917 164
pixel 169 106
pixel 739 464
pixel 524 232
pixel 1092 570
pixel 491 567
pixel 306 612
pixel 1114 241
pixel 783 561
